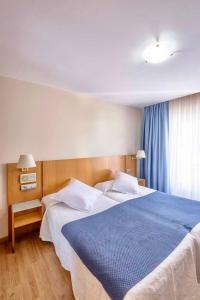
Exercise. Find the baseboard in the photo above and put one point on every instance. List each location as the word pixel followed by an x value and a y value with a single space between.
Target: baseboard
pixel 3 239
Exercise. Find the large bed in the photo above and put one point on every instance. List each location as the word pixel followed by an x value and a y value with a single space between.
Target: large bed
pixel 174 278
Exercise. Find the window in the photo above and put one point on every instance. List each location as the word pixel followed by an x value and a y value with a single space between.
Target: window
pixel 184 146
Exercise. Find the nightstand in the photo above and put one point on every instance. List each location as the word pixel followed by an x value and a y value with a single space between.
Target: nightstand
pixel 25 213
pixel 141 181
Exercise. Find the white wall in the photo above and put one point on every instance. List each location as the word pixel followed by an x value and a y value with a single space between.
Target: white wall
pixel 54 124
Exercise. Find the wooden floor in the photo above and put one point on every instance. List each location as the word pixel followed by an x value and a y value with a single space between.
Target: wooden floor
pixel 33 272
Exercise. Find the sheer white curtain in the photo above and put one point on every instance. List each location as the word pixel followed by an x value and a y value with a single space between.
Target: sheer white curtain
pixel 184 144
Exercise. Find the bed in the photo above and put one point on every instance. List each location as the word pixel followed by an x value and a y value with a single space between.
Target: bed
pixel 166 281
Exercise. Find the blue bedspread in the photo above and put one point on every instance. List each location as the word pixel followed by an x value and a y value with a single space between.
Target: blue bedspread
pixel 179 210
pixel 123 244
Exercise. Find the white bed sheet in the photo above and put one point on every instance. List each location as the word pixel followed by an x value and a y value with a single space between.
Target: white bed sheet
pixel 121 197
pixel 166 282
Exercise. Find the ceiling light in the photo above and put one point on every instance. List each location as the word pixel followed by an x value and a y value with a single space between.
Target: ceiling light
pixel 158 52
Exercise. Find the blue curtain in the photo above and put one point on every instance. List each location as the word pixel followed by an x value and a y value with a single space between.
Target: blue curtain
pixel 155 144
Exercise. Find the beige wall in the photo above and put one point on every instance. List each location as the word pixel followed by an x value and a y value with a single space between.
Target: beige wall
pixel 54 124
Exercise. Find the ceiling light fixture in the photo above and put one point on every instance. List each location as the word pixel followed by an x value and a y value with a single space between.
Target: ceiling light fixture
pixel 158 53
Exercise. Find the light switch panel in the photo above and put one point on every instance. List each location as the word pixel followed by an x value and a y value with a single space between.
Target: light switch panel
pixel 28 177
pixel 30 186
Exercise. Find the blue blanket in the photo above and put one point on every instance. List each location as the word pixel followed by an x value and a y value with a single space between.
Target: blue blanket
pixel 175 209
pixel 123 244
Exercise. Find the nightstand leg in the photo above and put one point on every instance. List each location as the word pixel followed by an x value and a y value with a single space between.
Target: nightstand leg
pixel 13 244
pixel 13 241
pixel 13 235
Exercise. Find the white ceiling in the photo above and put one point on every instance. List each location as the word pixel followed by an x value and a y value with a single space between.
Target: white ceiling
pixel 96 46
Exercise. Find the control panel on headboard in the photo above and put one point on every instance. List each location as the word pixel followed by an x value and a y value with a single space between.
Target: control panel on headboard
pixel 15 193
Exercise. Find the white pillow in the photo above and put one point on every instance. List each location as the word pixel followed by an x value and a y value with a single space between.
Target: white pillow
pixel 78 195
pixel 125 183
pixel 104 186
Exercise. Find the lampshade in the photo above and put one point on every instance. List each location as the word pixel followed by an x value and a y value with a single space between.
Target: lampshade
pixel 140 154
pixel 26 161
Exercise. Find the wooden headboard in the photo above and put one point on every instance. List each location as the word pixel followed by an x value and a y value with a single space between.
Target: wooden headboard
pixel 89 170
pixel 53 174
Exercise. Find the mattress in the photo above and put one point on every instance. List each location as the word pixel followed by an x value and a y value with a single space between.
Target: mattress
pixel 165 282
